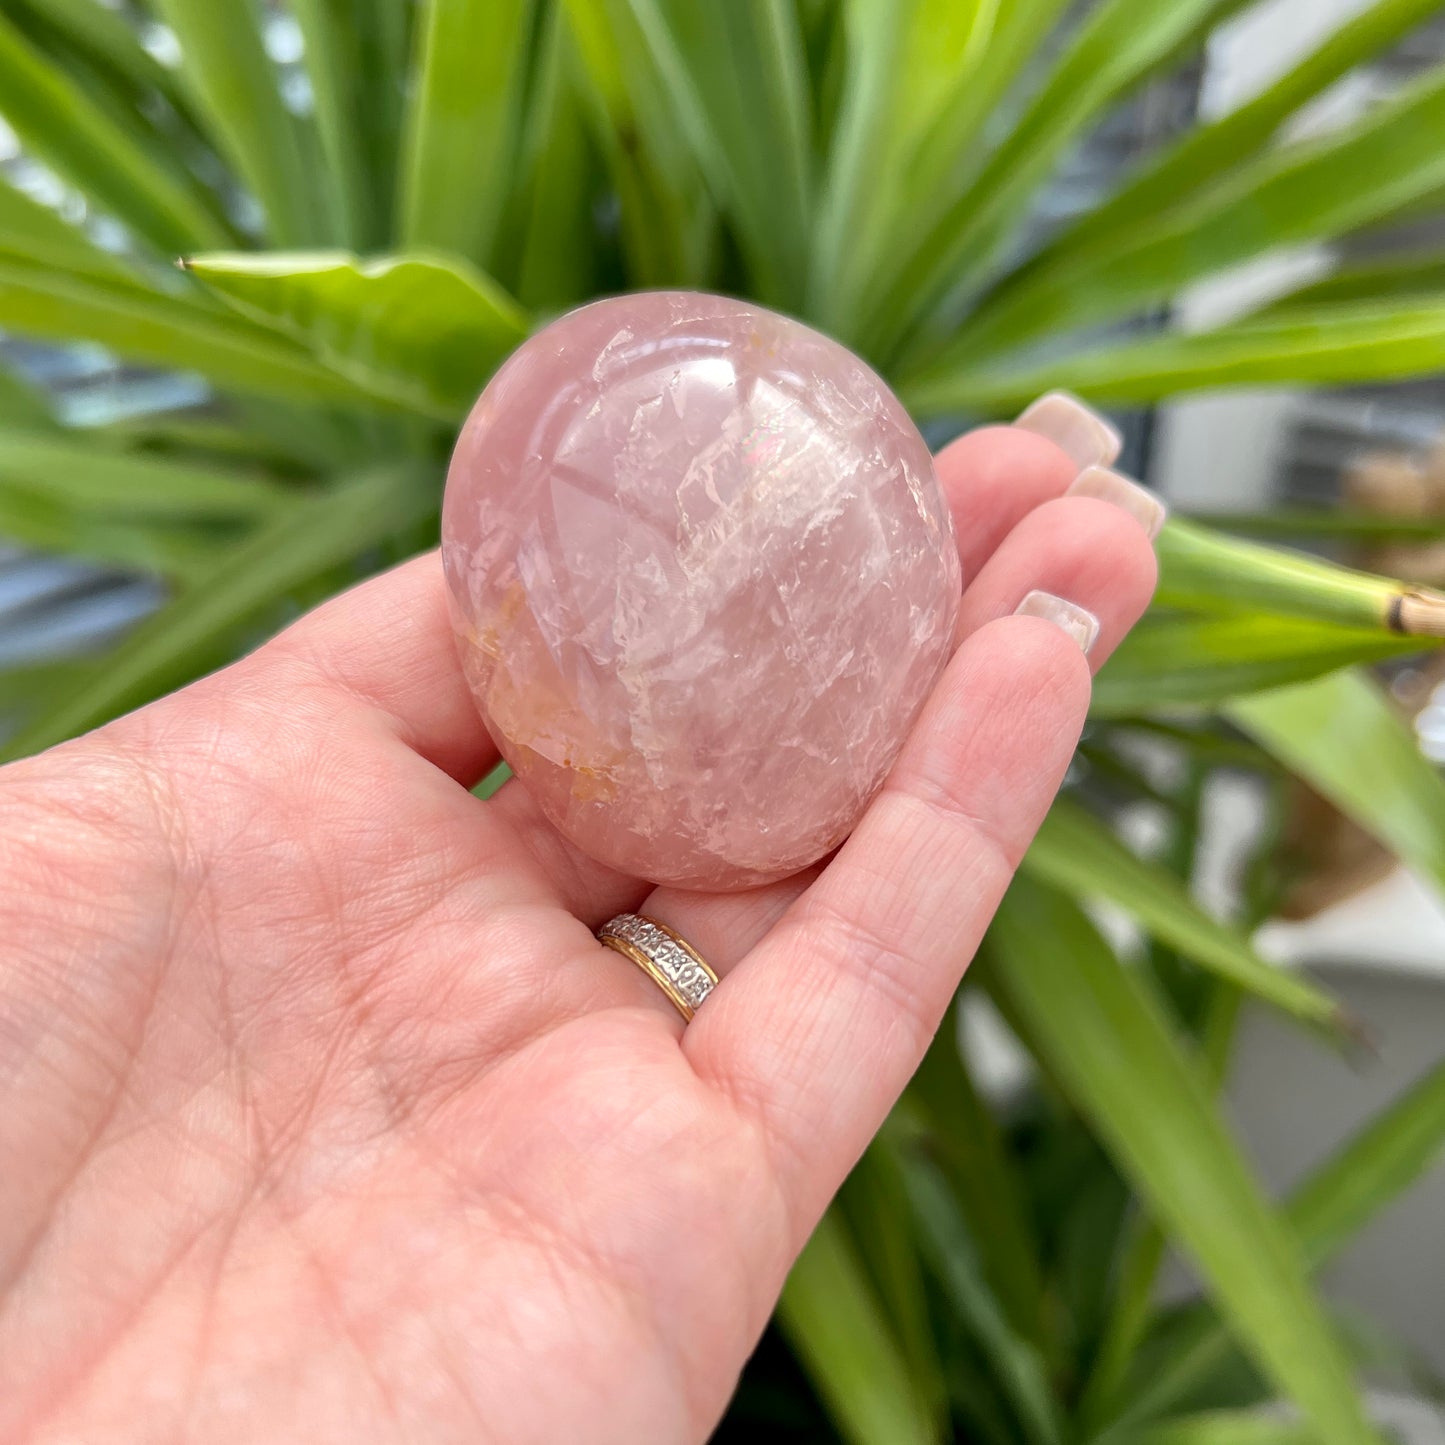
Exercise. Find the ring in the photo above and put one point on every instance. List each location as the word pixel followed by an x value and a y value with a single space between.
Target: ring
pixel 668 959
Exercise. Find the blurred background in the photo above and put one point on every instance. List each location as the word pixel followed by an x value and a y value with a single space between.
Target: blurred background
pixel 1322 854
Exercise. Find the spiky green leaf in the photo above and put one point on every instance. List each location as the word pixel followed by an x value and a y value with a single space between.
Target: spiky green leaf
pixel 463 124
pixel 246 583
pixel 1075 851
pixel 1106 1039
pixel 422 327
pixel 834 1321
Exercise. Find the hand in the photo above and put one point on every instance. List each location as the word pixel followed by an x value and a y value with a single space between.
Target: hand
pixel 326 1118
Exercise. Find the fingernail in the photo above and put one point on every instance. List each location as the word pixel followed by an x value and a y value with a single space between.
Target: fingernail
pixel 1074 428
pixel 1077 621
pixel 1122 492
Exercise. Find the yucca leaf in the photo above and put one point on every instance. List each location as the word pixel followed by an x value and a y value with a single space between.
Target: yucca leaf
pixel 235 87
pixel 1076 852
pixel 105 36
pixel 429 328
pixel 835 1324
pixel 1298 193
pixel 370 49
pixel 27 684
pixel 872 34
pixel 1426 207
pixel 1385 1157
pixel 1103 1035
pixel 1230 1427
pixel 100 51
pixel 1327 524
pixel 180 640
pixel 946 44
pixel 35 232
pixel 1176 660
pixel 1012 35
pixel 1017 1367
pixel 60 125
pixel 1142 1255
pixel 23 681
pixel 1341 736
pixel 966 1142
pixel 735 80
pixel 668 221
pixel 1118 44
pixel 339 85
pixel 555 260
pixel 1380 1351
pixel 462 127
pixel 43 301
pixel 205 440
pixel 1328 345
pixel 254 434
pixel 1364 1175
pixel 22 405
pixel 492 782
pixel 1418 276
pixel 74 471
pixel 901 194
pixel 48 522
pixel 922 77
pixel 1211 150
pixel 874 1204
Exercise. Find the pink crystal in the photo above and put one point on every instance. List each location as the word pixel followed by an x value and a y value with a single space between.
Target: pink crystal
pixel 703 579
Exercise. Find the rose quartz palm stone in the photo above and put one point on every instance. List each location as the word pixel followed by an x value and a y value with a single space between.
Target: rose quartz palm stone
pixel 703 578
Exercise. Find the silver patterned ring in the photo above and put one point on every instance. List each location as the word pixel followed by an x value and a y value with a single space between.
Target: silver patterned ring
pixel 667 958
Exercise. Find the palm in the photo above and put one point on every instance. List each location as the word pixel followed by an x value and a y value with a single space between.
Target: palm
pixel 328 1117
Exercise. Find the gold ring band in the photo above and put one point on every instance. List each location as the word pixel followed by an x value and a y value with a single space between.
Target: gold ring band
pixel 668 959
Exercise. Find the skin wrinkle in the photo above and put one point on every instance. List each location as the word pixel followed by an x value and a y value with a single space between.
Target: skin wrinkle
pixel 276 1149
pixel 545 1024
pixel 469 1198
pixel 480 1426
pixel 351 1009
pixel 744 1093
pixel 856 948
pixel 210 1298
pixel 321 676
pixel 751 1095
pixel 341 1321
pixel 353 1026
pixel 83 1370
pixel 561 1248
pixel 353 1034
pixel 14 1271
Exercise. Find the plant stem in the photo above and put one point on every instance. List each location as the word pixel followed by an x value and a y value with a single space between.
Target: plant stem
pixel 1201 568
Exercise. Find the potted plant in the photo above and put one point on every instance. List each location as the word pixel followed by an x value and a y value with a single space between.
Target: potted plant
pixel 369 225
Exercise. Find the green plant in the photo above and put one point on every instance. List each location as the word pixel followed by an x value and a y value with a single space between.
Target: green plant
pixel 866 164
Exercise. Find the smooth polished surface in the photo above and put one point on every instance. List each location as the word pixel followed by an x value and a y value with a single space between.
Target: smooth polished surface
pixel 703 579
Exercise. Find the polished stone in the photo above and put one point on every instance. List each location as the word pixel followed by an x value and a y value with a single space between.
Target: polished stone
pixel 703 578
